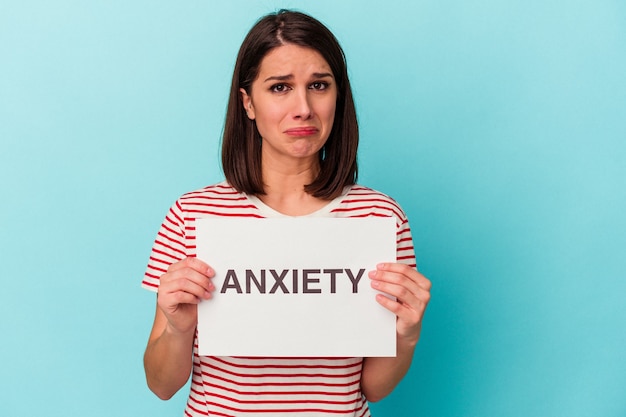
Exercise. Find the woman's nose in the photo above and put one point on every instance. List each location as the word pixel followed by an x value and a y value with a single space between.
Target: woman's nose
pixel 302 106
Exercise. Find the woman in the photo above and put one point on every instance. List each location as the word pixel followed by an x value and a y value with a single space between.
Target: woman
pixel 289 149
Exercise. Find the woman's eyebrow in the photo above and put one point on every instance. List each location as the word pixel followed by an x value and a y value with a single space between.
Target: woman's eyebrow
pixel 279 78
pixel 290 76
pixel 322 74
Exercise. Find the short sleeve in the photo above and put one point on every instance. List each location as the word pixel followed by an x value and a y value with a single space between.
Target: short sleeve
pixel 405 251
pixel 169 247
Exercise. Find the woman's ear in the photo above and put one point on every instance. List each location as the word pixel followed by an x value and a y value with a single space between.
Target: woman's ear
pixel 247 104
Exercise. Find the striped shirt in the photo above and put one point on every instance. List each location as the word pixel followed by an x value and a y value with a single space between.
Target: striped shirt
pixel 254 386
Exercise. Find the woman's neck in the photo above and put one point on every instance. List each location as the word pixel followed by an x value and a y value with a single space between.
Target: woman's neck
pixel 284 187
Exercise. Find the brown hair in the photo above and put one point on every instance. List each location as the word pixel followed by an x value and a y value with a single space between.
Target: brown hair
pixel 241 143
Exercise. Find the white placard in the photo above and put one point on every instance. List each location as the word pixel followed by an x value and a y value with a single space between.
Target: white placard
pixel 295 287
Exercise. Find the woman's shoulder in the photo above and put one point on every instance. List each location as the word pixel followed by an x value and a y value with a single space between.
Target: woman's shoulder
pixel 362 200
pixel 219 194
pixel 220 190
pixel 362 193
pixel 362 190
pixel 219 199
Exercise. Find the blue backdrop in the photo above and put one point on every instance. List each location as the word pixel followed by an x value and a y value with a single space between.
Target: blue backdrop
pixel 499 126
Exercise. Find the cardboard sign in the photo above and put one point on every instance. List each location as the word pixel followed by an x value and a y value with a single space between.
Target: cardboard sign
pixel 295 287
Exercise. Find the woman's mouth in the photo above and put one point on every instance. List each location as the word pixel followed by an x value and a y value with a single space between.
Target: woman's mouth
pixel 302 131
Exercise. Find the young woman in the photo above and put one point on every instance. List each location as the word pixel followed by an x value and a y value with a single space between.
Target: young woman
pixel 289 149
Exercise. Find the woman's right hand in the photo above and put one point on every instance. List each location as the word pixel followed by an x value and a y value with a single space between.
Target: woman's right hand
pixel 181 288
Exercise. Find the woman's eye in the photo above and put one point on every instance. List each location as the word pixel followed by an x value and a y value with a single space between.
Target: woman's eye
pixel 279 88
pixel 319 85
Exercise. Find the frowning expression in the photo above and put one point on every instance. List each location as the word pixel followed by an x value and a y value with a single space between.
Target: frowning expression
pixel 293 102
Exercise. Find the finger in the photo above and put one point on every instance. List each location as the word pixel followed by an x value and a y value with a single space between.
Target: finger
pixel 402 282
pixel 171 301
pixel 200 286
pixel 405 296
pixel 193 263
pixel 385 281
pixel 189 280
pixel 408 311
pixel 191 269
pixel 408 271
pixel 390 304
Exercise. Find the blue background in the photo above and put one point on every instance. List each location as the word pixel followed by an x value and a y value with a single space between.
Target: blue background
pixel 499 126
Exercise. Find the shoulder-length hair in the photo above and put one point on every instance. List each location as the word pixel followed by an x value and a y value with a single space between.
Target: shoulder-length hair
pixel 241 142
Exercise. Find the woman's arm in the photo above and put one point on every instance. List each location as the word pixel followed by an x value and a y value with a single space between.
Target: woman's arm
pixel 412 291
pixel 168 356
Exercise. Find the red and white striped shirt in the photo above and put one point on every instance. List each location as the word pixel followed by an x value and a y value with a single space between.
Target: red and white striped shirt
pixel 254 386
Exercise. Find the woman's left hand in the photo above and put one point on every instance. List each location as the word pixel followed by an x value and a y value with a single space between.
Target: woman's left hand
pixel 412 292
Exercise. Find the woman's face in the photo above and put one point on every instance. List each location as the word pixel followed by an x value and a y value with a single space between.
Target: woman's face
pixel 293 103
